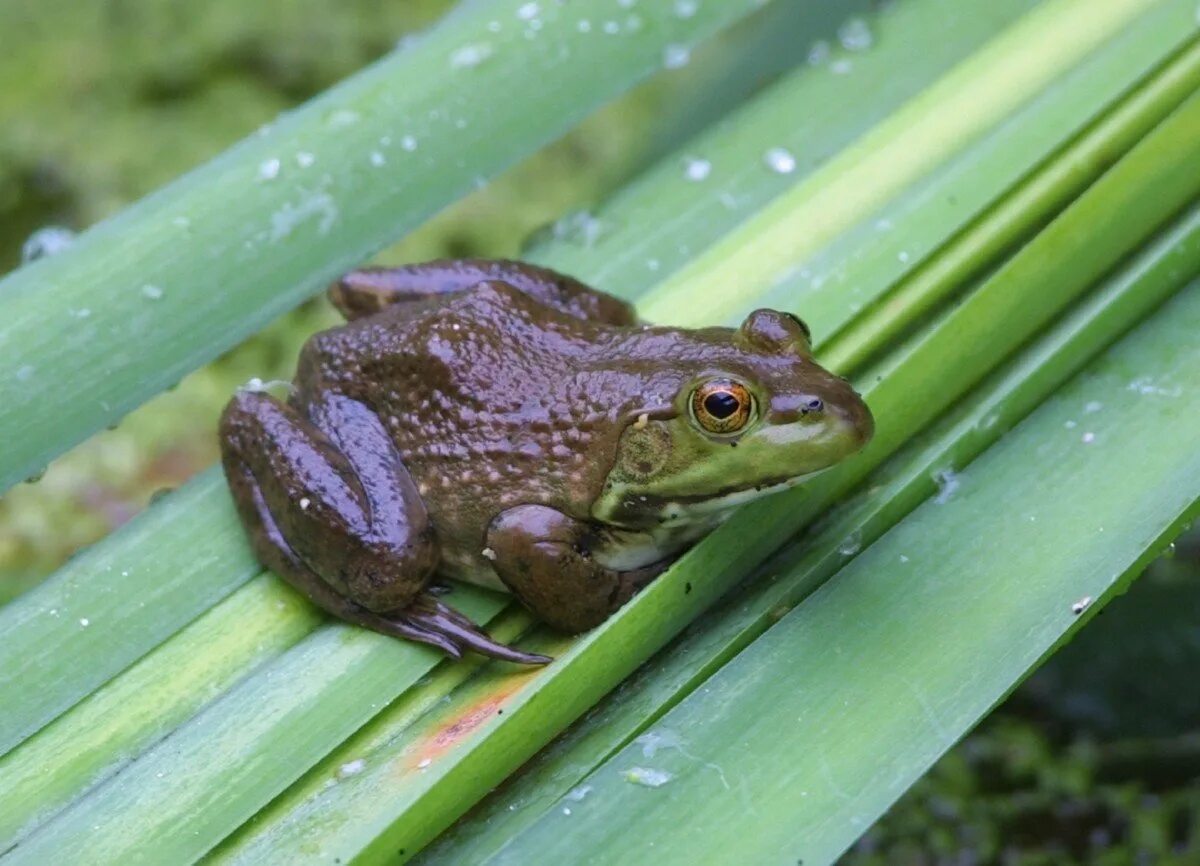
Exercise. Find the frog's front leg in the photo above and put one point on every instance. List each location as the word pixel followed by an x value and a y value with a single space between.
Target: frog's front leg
pixel 546 558
pixel 332 510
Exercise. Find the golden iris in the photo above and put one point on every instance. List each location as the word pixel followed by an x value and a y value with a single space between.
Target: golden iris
pixel 722 406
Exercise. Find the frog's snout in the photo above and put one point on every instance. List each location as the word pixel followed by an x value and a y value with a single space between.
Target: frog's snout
pixel 829 403
pixel 857 418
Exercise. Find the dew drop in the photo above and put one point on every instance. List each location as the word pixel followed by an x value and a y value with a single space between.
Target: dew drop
pixel 377 159
pixel 269 169
pixel 46 242
pixel 528 11
pixel 856 35
pixel 851 544
pixel 152 292
pixel 686 8
pixel 696 169
pixel 948 484
pixel 780 160
pixel 343 117
pixel 676 56
pixel 409 143
pixel 304 159
pixel 648 777
pixel 580 227
pixel 818 54
pixel 578 793
pixel 470 56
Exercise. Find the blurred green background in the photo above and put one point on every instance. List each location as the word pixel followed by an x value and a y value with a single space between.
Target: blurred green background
pixel 1096 759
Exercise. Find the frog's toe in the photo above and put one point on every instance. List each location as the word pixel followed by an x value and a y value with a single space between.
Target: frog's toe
pixel 410 631
pixel 429 615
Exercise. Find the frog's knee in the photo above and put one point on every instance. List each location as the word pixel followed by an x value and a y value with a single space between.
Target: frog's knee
pixel 246 416
pixel 387 575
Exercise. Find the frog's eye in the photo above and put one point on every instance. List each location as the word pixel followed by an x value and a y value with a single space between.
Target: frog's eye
pixel 722 406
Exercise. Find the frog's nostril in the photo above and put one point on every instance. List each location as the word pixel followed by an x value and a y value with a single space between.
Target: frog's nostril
pixel 814 405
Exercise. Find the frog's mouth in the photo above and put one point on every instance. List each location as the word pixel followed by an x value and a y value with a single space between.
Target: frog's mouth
pixel 683 508
pixel 669 511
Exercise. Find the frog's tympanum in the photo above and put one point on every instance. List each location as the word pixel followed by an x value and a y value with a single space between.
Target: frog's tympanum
pixel 506 425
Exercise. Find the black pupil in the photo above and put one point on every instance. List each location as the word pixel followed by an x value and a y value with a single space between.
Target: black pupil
pixel 721 404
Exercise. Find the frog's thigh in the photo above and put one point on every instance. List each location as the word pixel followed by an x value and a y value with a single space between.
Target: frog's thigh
pixel 367 291
pixel 346 510
pixel 542 555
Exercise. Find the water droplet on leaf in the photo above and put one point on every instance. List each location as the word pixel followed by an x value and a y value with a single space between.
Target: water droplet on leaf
pixel 780 160
pixel 46 242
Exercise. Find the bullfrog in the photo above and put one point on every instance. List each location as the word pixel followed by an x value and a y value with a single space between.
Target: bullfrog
pixel 509 426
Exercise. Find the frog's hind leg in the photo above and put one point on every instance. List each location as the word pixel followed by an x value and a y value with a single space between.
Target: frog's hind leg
pixel 370 290
pixel 274 552
pixel 331 509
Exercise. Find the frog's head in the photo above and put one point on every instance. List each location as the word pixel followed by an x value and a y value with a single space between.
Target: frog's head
pixel 750 413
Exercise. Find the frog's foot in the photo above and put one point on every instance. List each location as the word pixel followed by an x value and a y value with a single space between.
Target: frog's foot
pixel 370 290
pixel 545 558
pixel 431 616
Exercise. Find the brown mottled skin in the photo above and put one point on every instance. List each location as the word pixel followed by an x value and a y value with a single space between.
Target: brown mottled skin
pixel 507 425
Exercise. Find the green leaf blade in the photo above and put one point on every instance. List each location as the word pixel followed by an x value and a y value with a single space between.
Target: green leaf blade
pixel 114 602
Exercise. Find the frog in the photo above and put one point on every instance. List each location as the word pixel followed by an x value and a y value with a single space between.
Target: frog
pixel 503 424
